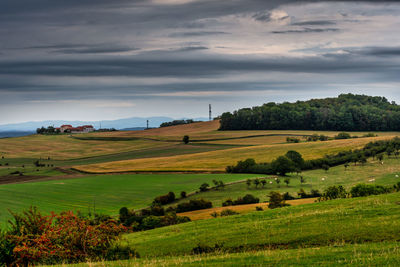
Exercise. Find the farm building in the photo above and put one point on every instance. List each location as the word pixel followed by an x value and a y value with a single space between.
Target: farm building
pixel 79 129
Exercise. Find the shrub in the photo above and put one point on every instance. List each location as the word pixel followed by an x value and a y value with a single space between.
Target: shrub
pixel 151 222
pixel 276 200
pixel 165 199
pixel 343 136
pixel 194 204
pixel 333 192
pixel 185 139
pixel 183 194
pixel 56 238
pixel 362 190
pixel 204 187
pixel 247 199
pixel 292 140
pixel 287 196
pixel 227 202
pixel 201 249
pixel 228 212
pixel 259 208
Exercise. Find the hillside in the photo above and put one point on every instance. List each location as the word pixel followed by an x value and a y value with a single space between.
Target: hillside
pixel 347 112
pixel 338 222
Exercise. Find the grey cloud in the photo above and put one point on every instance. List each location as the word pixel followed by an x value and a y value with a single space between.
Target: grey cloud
pixel 307 30
pixel 197 33
pixel 314 23
pixel 376 51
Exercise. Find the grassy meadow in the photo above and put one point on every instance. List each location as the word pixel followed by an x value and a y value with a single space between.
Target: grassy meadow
pixel 331 223
pixel 106 193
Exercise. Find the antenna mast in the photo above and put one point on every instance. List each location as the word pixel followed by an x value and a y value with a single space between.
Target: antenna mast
pixel 147 124
pixel 209 112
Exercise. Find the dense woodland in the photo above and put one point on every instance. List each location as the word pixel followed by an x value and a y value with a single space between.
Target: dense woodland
pixel 347 112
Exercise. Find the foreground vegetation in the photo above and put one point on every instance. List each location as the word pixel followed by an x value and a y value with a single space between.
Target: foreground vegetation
pixel 368 254
pixel 338 222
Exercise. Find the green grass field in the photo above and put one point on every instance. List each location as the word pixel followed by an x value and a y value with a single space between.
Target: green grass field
pixel 106 193
pixel 372 254
pixel 371 173
pixel 332 223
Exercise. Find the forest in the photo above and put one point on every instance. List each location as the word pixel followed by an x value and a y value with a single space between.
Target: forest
pixel 347 112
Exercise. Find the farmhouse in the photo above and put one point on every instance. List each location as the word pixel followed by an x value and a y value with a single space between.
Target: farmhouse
pixel 80 129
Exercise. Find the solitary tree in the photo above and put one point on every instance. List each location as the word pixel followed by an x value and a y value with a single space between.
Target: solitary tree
pixel 302 180
pixel 248 182
pixel 277 180
pixel 256 182
pixel 204 187
pixel 263 182
pixel 287 181
pixel 276 200
pixel 185 139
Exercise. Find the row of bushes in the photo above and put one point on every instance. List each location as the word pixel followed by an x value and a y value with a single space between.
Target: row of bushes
pixel 153 217
pixel 34 238
pixel 293 161
pixel 247 199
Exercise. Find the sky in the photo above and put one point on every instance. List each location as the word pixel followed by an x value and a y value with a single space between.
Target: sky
pixel 111 59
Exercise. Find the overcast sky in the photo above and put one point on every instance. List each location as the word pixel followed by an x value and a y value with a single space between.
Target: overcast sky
pixel 109 59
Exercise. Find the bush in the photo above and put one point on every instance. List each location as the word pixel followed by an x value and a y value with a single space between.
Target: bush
pixel 343 136
pixel 59 238
pixel 151 222
pixel 194 204
pixel 228 212
pixel 204 187
pixel 283 165
pixel 165 199
pixel 185 139
pixel 276 200
pixel 247 199
pixel 363 190
pixel 287 196
pixel 259 208
pixel 292 140
pixel 201 249
pixel 334 192
pixel 183 194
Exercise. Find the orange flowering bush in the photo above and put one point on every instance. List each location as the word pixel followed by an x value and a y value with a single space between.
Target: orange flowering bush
pixel 63 237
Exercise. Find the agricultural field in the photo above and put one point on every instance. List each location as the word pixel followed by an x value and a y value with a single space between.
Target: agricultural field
pixel 218 160
pixel 105 194
pixel 102 172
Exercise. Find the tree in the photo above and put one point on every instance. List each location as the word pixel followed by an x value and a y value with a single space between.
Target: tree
pixel 263 182
pixel 204 187
pixel 183 194
pixel 297 159
pixel 277 180
pixel 283 165
pixel 256 182
pixel 379 156
pixel 363 160
pixel 287 181
pixel 346 165
pixel 185 139
pixel 302 180
pixel 276 200
pixel 325 167
pixel 248 182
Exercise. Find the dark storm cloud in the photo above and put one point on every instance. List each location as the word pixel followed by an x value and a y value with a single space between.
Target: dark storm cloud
pixel 202 67
pixel 307 30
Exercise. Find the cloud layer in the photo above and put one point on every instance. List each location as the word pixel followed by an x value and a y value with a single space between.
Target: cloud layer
pixel 122 58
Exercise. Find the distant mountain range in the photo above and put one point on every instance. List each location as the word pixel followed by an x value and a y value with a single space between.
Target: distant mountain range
pixel 129 123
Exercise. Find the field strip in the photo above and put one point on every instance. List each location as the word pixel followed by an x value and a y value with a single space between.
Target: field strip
pixel 206 213
pixel 218 160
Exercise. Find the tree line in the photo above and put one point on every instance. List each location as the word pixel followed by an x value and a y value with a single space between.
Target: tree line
pixel 293 161
pixel 347 112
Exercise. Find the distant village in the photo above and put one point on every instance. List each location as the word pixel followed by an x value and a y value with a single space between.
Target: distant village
pixel 66 129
